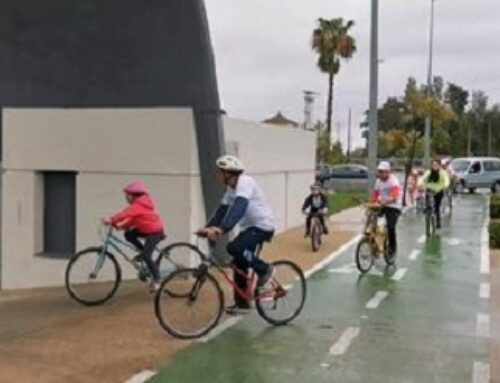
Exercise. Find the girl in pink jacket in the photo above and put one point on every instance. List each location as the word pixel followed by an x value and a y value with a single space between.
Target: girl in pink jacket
pixel 140 220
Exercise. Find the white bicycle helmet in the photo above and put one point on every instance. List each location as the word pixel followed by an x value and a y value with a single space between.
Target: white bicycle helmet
pixel 230 163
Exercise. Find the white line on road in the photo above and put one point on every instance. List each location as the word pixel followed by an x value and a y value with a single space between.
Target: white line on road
pixel 320 265
pixel 398 275
pixel 142 377
pixel 484 291
pixel 485 252
pixel 377 299
pixel 345 340
pixel 481 373
pixel 483 325
pixel 414 255
pixel 230 322
pixel 421 239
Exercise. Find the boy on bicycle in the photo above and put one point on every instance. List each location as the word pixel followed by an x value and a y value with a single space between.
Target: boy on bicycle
pixel 388 193
pixel 141 222
pixel 316 204
pixel 244 205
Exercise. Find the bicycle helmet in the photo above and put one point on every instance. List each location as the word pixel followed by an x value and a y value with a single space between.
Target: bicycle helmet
pixel 136 188
pixel 384 166
pixel 230 164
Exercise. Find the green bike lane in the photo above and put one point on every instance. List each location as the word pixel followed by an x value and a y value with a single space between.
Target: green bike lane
pixel 422 321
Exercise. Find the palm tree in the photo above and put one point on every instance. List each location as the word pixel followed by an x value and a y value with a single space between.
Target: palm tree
pixel 331 40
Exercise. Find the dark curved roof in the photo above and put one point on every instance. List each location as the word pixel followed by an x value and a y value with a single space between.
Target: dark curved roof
pixel 279 119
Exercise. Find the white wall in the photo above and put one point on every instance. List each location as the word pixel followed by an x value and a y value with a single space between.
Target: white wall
pixel 109 148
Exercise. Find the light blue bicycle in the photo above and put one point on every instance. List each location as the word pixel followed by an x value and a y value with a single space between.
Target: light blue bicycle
pixel 93 275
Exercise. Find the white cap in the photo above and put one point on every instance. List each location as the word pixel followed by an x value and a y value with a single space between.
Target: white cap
pixel 384 166
pixel 230 163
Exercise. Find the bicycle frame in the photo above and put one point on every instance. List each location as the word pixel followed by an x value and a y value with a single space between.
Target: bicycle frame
pixel 247 294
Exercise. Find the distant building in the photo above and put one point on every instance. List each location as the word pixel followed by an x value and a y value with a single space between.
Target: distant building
pixel 281 120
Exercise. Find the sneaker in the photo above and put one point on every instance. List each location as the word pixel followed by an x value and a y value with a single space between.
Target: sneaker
pixel 325 231
pixel 238 309
pixel 264 278
pixel 154 286
pixel 307 235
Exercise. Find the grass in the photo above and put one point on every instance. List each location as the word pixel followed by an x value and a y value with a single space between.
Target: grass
pixel 344 200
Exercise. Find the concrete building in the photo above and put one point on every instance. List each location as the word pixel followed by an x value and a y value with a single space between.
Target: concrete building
pixel 63 169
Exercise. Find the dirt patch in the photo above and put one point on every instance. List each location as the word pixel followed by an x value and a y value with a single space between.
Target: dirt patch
pixel 46 337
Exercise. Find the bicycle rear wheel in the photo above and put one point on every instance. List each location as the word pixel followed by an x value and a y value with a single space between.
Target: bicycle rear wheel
pixel 284 298
pixel 178 256
pixel 364 256
pixel 92 278
pixel 189 303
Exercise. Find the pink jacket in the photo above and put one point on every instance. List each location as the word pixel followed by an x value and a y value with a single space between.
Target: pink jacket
pixel 140 215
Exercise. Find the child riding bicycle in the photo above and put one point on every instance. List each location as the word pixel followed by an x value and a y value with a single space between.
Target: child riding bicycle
pixel 316 204
pixel 141 221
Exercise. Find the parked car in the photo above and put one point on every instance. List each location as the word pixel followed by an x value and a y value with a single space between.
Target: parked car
pixel 343 177
pixel 477 172
pixel 350 171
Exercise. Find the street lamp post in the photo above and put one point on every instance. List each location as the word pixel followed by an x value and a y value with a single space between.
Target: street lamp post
pixel 428 120
pixel 373 114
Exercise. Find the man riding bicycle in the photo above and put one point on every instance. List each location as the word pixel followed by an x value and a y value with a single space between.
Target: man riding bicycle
pixel 244 205
pixel 388 193
pixel 316 204
pixel 437 181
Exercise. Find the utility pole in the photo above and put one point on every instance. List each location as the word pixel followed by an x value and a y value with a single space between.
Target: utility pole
pixel 349 120
pixel 428 120
pixel 373 114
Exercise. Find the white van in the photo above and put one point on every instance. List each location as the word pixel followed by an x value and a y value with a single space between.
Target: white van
pixel 477 172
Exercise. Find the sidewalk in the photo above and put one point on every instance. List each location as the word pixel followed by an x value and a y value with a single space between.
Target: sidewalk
pixel 46 337
pixel 495 316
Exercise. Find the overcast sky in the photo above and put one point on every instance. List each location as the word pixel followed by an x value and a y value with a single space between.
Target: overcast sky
pixel 264 60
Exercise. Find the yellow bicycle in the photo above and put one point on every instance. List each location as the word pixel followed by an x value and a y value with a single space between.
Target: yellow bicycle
pixel 374 243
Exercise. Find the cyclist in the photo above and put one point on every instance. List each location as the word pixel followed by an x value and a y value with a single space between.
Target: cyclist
pixel 316 204
pixel 244 205
pixel 436 180
pixel 140 220
pixel 388 192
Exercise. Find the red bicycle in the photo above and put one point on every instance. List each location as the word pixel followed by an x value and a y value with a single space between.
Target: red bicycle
pixel 190 301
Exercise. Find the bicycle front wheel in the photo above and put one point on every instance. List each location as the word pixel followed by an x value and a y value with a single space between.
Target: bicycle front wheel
pixel 189 303
pixel 364 256
pixel 92 277
pixel 316 235
pixel 284 298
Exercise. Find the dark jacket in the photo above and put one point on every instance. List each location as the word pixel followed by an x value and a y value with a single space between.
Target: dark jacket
pixel 315 203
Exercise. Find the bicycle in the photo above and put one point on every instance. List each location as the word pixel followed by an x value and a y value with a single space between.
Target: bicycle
pixel 430 213
pixel 93 275
pixel 199 292
pixel 375 241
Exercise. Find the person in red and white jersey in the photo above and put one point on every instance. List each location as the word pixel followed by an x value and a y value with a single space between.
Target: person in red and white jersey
pixel 388 193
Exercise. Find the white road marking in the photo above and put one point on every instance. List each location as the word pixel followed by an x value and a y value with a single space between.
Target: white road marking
pixel 398 275
pixel 453 241
pixel 483 325
pixel 484 291
pixel 377 299
pixel 414 255
pixel 481 373
pixel 345 340
pixel 230 322
pixel 421 239
pixel 142 377
pixel 347 269
pixel 485 252
pixel 325 365
pixel 320 265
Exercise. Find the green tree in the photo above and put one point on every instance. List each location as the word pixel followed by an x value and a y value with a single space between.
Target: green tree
pixel 332 42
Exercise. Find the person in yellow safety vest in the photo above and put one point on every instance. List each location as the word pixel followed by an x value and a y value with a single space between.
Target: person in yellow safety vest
pixel 436 180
